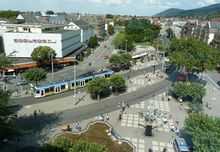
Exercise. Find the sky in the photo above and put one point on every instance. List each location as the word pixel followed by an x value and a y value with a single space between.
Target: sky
pixel 122 7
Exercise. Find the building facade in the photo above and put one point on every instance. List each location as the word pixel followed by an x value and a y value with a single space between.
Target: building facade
pixel 22 39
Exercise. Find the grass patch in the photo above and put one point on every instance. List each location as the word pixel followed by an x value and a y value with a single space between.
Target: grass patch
pixel 97 134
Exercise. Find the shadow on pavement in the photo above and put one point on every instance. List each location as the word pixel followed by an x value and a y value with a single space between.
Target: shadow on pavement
pixel 34 129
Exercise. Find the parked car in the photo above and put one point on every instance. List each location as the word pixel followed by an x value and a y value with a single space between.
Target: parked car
pixel 218 82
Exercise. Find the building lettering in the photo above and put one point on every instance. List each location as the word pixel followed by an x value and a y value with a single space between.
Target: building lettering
pixel 34 41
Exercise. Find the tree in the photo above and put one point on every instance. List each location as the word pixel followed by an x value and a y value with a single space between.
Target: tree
pixel 193 55
pixel 9 14
pixel 98 87
pixel 170 33
pixel 204 131
pixel 121 61
pixel 120 41
pixel 110 29
pixel 6 117
pixel 93 42
pixel 35 75
pixel 68 145
pixel 4 60
pixel 189 90
pixel 49 12
pixel 42 53
pixel 118 83
pixel 110 16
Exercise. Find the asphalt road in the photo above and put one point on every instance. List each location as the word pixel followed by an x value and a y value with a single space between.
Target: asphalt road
pixel 108 105
pixel 31 100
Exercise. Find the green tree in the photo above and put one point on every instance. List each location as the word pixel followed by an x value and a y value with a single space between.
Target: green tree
pixel 42 53
pixel 110 29
pixel 9 14
pixel 193 55
pixel 49 12
pixel 125 60
pixel 4 60
pixel 204 131
pixel 6 117
pixel 98 87
pixel 115 60
pixel 110 16
pixel 93 42
pixel 35 75
pixel 189 90
pixel 170 33
pixel 121 40
pixel 118 83
pixel 68 145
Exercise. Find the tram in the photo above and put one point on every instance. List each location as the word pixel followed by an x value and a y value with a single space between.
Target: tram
pixel 63 86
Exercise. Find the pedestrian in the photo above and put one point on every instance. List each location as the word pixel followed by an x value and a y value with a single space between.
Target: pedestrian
pixel 207 105
pixel 107 117
pixel 150 150
pixel 170 116
pixel 177 121
pixel 210 106
pixel 181 106
pixel 169 98
pixel 35 113
pixel 162 97
pixel 128 105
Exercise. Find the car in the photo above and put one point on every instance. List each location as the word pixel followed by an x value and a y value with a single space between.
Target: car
pixel 21 82
pixel 218 82
pixel 106 57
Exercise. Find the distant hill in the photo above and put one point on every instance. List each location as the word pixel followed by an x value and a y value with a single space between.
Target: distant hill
pixel 203 12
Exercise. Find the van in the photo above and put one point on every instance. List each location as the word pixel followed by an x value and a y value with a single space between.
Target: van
pixel 180 145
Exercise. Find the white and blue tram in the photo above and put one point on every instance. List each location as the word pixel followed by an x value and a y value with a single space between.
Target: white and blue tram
pixel 62 86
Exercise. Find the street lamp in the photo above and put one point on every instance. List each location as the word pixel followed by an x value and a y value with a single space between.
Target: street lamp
pixel 52 54
pixel 126 45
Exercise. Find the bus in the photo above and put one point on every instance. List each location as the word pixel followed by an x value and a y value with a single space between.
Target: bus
pixel 180 145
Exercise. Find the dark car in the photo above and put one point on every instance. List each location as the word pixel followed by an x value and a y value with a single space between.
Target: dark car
pixel 218 82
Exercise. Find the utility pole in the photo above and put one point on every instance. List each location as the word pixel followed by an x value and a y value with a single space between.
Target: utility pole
pixel 126 45
pixel 52 53
pixel 74 73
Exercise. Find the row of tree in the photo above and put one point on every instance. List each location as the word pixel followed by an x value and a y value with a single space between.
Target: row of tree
pixel 102 87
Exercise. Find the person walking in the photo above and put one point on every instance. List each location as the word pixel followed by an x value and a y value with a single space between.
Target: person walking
pixel 177 121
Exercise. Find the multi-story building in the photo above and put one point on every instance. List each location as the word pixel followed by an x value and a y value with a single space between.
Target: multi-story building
pixel 23 38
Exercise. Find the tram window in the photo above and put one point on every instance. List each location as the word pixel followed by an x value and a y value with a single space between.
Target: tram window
pixel 72 84
pixel 87 80
pixel 47 90
pixel 51 88
pixel 63 86
pixel 77 83
pixel 107 75
pixel 37 91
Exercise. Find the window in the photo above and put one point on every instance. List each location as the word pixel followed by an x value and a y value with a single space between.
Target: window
pixel 63 87
pixel 72 84
pixel 88 80
pixel 47 90
pixel 37 91
pixel 51 88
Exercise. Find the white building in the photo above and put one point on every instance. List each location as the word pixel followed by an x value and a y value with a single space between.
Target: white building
pixel 86 30
pixel 22 39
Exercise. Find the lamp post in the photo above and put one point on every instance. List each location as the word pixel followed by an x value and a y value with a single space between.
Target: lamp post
pixel 126 45
pixel 52 53
pixel 74 74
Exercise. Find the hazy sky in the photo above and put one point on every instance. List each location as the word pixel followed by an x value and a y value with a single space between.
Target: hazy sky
pixel 129 7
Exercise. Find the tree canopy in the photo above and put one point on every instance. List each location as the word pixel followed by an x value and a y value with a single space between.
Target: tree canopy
pixel 193 55
pixel 118 83
pixel 69 145
pixel 110 29
pixel 98 87
pixel 42 53
pixel 6 115
pixel 191 90
pixel 35 75
pixel 170 33
pixel 4 60
pixel 9 14
pixel 93 41
pixel 141 30
pixel 205 132
pixel 121 61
